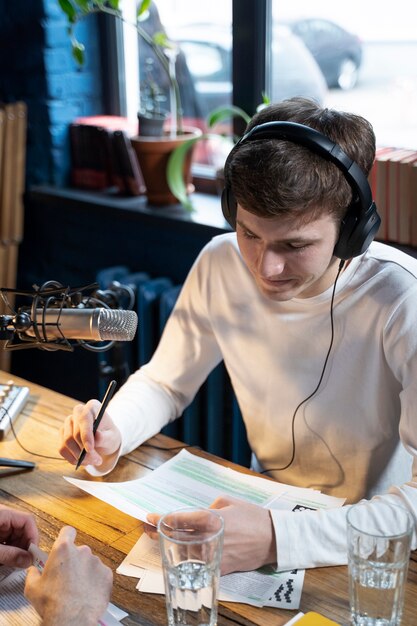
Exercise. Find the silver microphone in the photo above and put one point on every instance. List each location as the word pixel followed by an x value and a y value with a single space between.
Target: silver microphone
pixel 99 324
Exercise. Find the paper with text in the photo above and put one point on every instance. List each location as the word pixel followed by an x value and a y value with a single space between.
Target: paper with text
pixel 189 480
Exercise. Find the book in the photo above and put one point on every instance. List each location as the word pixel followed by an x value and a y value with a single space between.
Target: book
pixel 406 202
pixel 90 157
pixel 129 175
pixel 393 200
pixel 7 174
pixel 372 174
pixel 413 194
pixel 382 189
pixel 102 158
pixel 20 132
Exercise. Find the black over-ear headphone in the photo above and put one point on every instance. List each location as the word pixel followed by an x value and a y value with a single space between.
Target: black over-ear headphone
pixel 361 222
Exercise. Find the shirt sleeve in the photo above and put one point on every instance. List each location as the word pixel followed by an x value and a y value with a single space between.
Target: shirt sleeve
pixel 318 538
pixel 158 392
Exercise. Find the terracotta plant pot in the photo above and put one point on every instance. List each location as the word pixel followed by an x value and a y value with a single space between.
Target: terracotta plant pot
pixel 153 154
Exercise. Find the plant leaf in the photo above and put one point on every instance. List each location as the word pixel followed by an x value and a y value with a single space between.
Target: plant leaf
pixel 161 39
pixel 78 50
pixel 225 112
pixel 175 171
pixel 143 7
pixel 69 9
pixel 114 4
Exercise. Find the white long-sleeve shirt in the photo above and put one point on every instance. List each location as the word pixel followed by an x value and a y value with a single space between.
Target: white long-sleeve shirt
pixel 355 438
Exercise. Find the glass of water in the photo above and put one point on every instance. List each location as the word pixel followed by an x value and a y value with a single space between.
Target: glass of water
pixel 191 543
pixel 379 541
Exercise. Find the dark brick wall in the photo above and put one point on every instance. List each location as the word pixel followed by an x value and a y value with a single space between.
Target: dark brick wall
pixel 36 66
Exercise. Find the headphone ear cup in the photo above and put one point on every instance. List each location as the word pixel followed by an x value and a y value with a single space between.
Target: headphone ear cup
pixel 356 233
pixel 229 207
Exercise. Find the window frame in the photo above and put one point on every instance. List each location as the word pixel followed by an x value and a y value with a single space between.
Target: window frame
pixel 251 47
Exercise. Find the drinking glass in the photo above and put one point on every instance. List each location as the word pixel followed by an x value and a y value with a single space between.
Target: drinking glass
pixel 191 543
pixel 378 562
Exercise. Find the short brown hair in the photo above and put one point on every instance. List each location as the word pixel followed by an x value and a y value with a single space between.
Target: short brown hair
pixel 272 177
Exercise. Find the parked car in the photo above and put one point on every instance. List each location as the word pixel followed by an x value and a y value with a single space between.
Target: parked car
pixel 208 51
pixel 337 52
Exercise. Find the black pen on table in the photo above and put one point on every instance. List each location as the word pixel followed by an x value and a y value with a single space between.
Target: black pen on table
pixel 106 400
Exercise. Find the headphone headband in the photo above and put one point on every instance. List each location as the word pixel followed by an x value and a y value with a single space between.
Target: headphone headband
pixel 361 222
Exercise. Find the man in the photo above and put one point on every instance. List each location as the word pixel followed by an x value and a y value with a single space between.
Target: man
pixel 316 326
pixel 74 587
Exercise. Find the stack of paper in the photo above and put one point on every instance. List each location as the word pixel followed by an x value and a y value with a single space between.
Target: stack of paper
pixel 189 480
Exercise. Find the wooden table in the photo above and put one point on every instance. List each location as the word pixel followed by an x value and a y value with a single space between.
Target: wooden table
pixel 111 534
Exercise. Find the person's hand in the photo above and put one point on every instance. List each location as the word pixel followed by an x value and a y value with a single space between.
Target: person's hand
pixel 77 433
pixel 249 536
pixel 17 531
pixel 74 587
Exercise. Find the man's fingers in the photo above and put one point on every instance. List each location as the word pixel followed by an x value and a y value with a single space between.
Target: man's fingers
pixel 153 518
pixel 67 533
pixel 15 557
pixel 150 531
pixel 32 576
pixel 86 417
pixel 222 501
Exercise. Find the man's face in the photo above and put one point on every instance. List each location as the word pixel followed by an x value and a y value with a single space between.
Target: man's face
pixel 288 260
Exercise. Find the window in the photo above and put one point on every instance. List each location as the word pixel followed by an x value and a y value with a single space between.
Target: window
pixel 367 53
pixel 361 58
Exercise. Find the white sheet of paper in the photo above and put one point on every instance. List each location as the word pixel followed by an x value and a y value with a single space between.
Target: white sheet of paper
pixel 153 582
pixel 189 480
pixel 14 608
pixel 258 588
pixel 184 480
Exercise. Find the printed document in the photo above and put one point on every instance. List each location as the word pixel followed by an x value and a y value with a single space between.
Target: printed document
pixel 190 480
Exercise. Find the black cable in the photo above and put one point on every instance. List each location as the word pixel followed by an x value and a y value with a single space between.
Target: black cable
pixel 45 456
pixel 284 467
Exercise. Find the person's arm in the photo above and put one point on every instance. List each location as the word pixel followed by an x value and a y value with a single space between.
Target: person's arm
pixel 74 587
pixel 157 393
pixel 17 531
pixel 318 538
pixel 249 538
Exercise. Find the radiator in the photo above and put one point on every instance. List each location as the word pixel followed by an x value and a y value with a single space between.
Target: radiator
pixel 213 420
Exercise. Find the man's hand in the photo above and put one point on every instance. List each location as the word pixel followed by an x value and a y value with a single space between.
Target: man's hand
pixel 74 587
pixel 249 537
pixel 77 433
pixel 17 531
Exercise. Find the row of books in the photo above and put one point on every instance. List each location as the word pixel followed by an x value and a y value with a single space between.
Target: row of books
pixel 13 129
pixel 102 156
pixel 393 180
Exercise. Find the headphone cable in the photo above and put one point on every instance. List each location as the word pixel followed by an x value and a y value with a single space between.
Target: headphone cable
pixel 284 467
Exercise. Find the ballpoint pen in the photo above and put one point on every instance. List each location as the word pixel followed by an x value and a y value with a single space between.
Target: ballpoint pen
pixel 106 400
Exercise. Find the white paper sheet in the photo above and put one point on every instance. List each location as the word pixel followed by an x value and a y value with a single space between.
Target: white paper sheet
pixel 264 587
pixel 189 480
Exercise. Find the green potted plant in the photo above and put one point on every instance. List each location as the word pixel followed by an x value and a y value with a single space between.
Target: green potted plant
pixel 175 179
pixel 152 151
